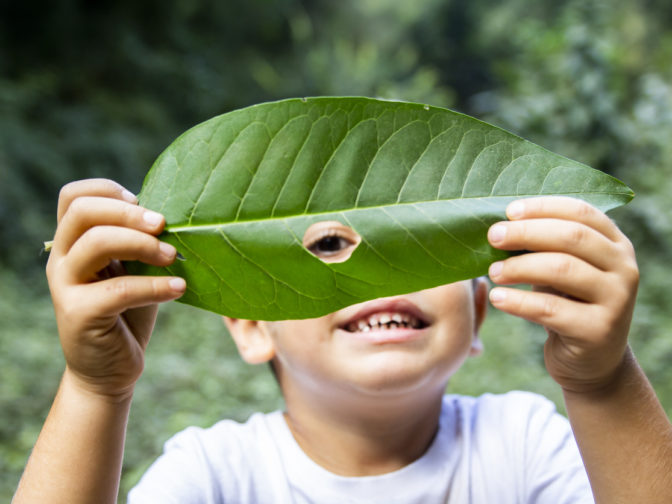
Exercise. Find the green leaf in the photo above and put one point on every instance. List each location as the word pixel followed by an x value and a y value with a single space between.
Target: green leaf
pixel 419 184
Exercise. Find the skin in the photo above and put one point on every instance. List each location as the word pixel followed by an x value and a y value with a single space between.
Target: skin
pixel 366 394
pixel 375 419
pixel 104 322
pixel 585 277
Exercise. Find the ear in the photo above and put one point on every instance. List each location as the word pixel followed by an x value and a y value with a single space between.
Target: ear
pixel 480 286
pixel 253 339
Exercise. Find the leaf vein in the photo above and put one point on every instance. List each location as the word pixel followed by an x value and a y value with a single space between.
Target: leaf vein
pixel 213 169
pixel 296 156
pixel 323 169
pixel 378 150
pixel 418 242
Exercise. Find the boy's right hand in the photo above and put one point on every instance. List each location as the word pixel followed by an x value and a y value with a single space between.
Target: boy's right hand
pixel 104 317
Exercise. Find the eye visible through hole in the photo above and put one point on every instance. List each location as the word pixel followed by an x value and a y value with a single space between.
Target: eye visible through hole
pixel 331 241
pixel 329 245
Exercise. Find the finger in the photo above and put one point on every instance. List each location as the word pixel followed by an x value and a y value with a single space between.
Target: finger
pixel 92 187
pixel 566 208
pixel 99 246
pixel 559 271
pixel 139 320
pixel 86 212
pixel 556 313
pixel 555 235
pixel 116 295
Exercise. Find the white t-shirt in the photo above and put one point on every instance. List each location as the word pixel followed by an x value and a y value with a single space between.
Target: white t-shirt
pixel 493 449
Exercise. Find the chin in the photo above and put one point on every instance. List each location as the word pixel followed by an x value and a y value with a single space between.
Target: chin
pixel 401 375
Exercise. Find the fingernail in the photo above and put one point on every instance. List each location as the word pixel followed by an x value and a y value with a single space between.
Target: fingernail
pixel 497 295
pixel 495 269
pixel 167 250
pixel 177 284
pixel 152 218
pixel 129 196
pixel 515 210
pixel 497 233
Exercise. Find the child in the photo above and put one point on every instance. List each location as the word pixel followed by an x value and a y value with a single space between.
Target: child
pixel 365 419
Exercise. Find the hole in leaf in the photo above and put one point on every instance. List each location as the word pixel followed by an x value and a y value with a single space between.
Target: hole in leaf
pixel 331 241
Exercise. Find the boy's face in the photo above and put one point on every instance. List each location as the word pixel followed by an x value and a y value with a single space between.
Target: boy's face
pixel 388 345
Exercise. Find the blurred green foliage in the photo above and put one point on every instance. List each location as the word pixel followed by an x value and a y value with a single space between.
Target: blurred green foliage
pixel 99 89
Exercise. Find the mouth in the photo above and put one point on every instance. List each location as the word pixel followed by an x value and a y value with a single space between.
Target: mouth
pixel 384 316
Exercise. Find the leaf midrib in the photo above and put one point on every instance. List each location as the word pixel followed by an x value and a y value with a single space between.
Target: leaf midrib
pixel 214 225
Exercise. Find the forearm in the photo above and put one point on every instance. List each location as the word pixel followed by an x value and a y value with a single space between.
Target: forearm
pixel 78 455
pixel 625 439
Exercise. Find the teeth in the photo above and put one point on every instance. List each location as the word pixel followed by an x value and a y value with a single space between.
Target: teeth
pixel 385 321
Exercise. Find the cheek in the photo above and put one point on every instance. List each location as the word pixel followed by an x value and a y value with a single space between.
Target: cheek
pixel 298 341
pixel 305 356
pixel 453 303
pixel 454 306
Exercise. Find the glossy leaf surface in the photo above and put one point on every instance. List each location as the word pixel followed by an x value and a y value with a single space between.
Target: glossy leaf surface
pixel 420 185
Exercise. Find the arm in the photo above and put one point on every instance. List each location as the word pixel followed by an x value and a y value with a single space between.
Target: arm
pixel 104 321
pixel 585 278
pixel 625 438
pixel 78 455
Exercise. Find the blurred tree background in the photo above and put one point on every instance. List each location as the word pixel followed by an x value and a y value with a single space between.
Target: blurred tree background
pixel 98 89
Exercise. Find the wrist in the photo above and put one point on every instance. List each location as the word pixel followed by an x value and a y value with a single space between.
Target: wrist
pixel 607 386
pixel 96 392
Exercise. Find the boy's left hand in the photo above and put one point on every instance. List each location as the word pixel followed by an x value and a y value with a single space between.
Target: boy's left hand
pixel 584 273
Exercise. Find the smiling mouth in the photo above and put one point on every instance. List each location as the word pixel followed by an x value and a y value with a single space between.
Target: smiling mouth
pixel 385 321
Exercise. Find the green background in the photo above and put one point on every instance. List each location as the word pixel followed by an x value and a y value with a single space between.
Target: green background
pixel 100 89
